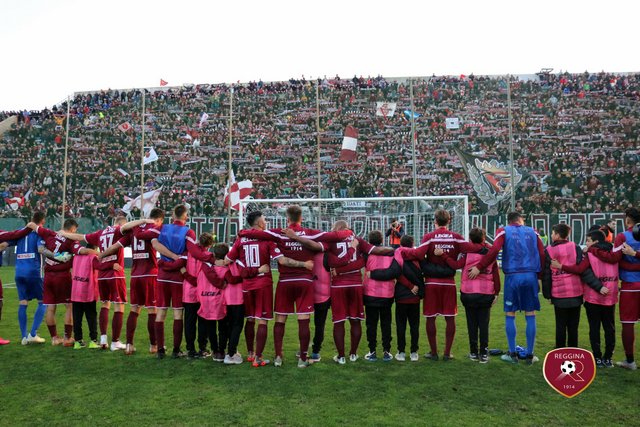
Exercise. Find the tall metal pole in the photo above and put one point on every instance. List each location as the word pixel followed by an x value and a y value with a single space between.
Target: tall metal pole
pixel 227 226
pixel 64 176
pixel 416 220
pixel 144 97
pixel 318 134
pixel 512 169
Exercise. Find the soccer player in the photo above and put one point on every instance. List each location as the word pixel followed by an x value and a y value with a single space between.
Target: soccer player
pixel 564 289
pixel 626 251
pixel 144 275
pixel 171 241
pixel 57 278
pixel 440 290
pixel 84 292
pixel 28 278
pixel 6 236
pixel 111 280
pixel 321 304
pixel 523 258
pixel 345 256
pixel 258 297
pixel 477 295
pixel 599 305
pixel 378 299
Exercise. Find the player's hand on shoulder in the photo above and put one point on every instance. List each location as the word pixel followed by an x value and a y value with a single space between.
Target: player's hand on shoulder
pixel 628 250
pixel 31 225
pixel 289 233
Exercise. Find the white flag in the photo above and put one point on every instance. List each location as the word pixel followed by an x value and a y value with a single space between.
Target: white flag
pixel 385 109
pixel 150 200
pixel 150 156
pixel 236 191
pixel 452 123
pixel 203 119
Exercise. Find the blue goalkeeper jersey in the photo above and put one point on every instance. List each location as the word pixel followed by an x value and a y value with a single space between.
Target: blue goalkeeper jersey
pixel 28 260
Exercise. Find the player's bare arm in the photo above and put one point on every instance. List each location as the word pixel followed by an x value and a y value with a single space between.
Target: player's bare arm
pixel 297 264
pixel 132 224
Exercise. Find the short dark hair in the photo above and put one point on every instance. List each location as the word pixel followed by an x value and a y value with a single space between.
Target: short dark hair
pixel 596 236
pixel 156 213
pixel 513 216
pixel 562 230
pixel 69 223
pixel 406 241
pixel 252 217
pixel 90 246
pixel 220 250
pixel 442 217
pixel 206 239
pixel 179 211
pixel 476 235
pixel 375 237
pixel 294 213
pixel 38 217
pixel 633 214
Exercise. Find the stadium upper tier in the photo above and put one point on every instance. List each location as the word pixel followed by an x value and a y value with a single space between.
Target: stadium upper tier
pixel 576 142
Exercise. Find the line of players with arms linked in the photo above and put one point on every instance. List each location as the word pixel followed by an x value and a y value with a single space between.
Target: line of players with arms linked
pixel 216 291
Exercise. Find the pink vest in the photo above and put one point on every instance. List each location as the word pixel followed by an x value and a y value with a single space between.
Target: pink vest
pixel 233 292
pixel 84 287
pixel 212 301
pixel 190 292
pixel 377 288
pixel 608 275
pixel 564 285
pixel 483 283
pixel 322 282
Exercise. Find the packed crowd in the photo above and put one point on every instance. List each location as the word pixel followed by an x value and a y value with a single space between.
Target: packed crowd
pixel 576 142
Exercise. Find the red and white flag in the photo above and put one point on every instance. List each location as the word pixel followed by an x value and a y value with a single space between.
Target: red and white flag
pixel 386 109
pixel 125 127
pixel 150 156
pixel 236 191
pixel 349 143
pixel 15 203
pixel 163 83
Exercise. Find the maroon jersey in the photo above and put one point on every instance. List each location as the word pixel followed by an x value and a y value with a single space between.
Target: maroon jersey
pixel 103 239
pixel 5 236
pixel 144 261
pixel 295 250
pixel 57 244
pixel 252 253
pixel 447 240
pixel 349 260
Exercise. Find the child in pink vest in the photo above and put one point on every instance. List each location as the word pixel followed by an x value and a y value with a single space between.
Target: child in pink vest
pixel 191 305
pixel 84 292
pixel 564 289
pixel 378 299
pixel 600 304
pixel 229 280
pixel 477 295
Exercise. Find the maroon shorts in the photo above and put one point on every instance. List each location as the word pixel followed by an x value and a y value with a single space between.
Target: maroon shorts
pixel 299 294
pixel 168 295
pixel 258 303
pixel 346 303
pixel 113 290
pixel 440 300
pixel 143 291
pixel 629 306
pixel 57 288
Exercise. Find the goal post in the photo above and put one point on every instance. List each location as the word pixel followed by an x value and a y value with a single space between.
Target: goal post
pixel 365 214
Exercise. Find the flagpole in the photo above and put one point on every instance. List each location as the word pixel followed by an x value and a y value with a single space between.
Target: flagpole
pixel 512 171
pixel 227 224
pixel 416 220
pixel 64 177
pixel 144 97
pixel 318 134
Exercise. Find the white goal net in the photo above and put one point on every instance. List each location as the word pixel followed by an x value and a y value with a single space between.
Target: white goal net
pixel 365 214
